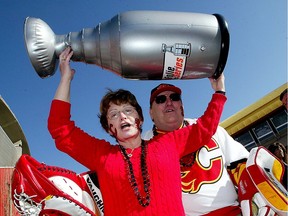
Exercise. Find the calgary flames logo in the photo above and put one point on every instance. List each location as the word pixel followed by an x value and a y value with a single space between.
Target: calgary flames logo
pixel 206 169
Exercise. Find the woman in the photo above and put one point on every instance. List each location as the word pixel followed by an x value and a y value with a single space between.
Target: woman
pixel 279 150
pixel 136 177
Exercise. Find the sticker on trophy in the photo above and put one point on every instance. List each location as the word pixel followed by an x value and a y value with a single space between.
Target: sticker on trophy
pixel 175 60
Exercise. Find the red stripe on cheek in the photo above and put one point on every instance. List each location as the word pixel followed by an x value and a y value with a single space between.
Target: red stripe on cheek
pixel 114 133
pixel 137 122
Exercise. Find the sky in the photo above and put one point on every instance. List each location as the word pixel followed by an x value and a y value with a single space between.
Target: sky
pixel 256 65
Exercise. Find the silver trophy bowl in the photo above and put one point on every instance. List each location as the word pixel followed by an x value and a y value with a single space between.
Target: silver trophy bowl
pixel 145 45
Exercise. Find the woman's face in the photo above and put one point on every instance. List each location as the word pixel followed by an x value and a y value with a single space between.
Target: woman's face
pixel 279 153
pixel 124 122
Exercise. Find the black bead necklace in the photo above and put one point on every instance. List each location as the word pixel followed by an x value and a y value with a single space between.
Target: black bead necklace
pixel 143 200
pixel 189 160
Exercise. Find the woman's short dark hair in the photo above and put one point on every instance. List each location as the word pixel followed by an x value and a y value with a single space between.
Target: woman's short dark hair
pixel 272 148
pixel 117 97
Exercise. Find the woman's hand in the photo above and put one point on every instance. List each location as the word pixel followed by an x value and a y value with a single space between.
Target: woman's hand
pixel 65 70
pixel 67 74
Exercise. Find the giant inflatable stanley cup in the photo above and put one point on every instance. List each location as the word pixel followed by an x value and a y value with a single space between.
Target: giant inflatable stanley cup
pixel 146 45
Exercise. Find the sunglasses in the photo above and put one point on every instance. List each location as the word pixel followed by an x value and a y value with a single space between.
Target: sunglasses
pixel 160 99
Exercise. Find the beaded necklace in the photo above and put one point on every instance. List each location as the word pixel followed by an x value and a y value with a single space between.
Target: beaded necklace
pixel 143 200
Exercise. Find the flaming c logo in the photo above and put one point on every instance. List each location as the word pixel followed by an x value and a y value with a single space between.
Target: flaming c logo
pixel 207 168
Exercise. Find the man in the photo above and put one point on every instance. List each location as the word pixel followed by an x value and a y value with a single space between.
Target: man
pixel 284 99
pixel 207 187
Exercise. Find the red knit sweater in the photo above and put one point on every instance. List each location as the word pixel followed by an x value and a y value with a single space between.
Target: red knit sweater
pixel 163 153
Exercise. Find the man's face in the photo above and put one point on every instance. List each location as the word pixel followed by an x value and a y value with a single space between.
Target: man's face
pixel 167 115
pixel 285 101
